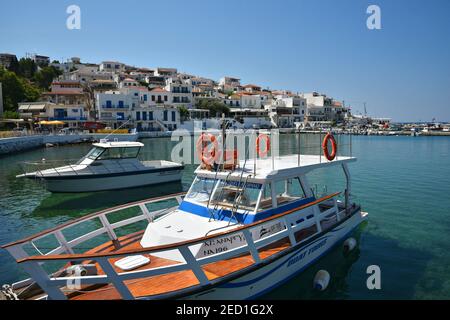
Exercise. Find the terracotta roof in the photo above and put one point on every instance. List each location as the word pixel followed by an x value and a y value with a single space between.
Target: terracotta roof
pixel 67 93
pixel 159 90
pixel 251 86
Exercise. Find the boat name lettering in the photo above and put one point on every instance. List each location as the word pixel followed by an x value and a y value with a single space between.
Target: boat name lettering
pixel 303 254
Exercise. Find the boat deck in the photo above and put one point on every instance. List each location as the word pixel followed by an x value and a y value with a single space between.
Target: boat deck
pixel 167 283
pixel 268 167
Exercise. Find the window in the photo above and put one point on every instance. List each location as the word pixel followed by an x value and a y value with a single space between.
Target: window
pixel 121 104
pixel 145 97
pixel 165 98
pixel 153 98
pixel 150 115
pixel 138 115
pixel 200 190
pixel 144 115
pixel 266 198
pixel 173 116
pixel 227 193
pixel 288 190
pixel 119 153
pixel 108 104
pixel 94 153
pixel 165 115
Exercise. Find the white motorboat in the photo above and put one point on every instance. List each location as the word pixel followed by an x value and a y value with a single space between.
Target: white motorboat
pixel 107 166
pixel 241 230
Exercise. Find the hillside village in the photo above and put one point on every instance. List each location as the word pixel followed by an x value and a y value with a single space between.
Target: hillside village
pixel 114 95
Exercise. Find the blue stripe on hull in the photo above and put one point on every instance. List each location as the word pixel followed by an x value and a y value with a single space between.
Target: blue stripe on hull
pixel 242 218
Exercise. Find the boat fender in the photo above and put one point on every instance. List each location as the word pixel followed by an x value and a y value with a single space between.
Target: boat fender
pixel 349 244
pixel 321 280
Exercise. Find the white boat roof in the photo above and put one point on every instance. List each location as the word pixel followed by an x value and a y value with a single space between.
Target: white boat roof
pixel 118 144
pixel 276 168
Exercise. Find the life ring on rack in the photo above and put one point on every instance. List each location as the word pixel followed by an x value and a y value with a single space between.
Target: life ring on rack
pixel 206 155
pixel 329 138
pixel 262 154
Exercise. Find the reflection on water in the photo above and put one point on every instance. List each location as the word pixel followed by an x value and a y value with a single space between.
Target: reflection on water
pixel 72 204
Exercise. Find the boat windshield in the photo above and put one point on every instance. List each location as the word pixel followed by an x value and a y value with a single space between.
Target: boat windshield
pixel 94 153
pixel 224 194
pixel 119 153
pixel 201 189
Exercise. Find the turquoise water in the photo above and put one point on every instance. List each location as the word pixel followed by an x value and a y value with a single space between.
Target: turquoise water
pixel 403 182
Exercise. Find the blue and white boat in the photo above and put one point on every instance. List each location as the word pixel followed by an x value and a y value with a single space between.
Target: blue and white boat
pixel 240 231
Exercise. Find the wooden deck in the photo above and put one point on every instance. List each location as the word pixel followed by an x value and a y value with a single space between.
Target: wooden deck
pixel 168 282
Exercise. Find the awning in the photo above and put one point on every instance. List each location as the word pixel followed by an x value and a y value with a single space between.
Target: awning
pixel 50 123
pixel 32 107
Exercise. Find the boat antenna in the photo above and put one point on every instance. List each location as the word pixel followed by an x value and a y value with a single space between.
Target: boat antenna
pixel 106 138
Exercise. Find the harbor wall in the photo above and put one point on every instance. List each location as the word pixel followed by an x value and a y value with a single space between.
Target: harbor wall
pixel 18 144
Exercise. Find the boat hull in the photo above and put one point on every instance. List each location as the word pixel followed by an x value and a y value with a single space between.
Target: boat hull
pixel 123 181
pixel 277 272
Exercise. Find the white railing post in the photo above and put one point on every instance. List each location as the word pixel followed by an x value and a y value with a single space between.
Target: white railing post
pixel 251 245
pixel 194 265
pixel 43 280
pixel 145 211
pixel 108 227
pixel 63 242
pixel 290 233
pixel 112 275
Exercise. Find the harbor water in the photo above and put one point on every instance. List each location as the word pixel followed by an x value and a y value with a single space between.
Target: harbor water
pixel 403 182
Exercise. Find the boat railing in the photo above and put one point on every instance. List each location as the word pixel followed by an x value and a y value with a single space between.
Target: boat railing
pixel 67 167
pixel 55 285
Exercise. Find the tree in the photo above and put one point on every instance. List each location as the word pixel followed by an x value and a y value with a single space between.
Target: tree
pixel 27 68
pixel 16 89
pixel 184 113
pixel 10 115
pixel 215 107
pixel 45 76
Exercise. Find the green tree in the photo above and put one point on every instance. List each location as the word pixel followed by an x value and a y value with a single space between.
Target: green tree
pixel 184 113
pixel 45 76
pixel 27 68
pixel 215 107
pixel 16 89
pixel 10 115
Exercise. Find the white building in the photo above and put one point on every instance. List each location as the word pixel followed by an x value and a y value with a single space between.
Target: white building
pixel 112 66
pixel 286 110
pixel 323 108
pixel 166 72
pixel 40 60
pixel 180 93
pixel 229 83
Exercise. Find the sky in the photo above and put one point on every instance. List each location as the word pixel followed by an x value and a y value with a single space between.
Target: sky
pixel 401 71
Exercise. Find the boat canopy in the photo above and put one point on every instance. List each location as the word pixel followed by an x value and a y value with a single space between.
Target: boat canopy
pixel 118 144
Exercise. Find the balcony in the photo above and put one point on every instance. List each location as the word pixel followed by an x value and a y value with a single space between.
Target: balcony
pixel 67 119
pixel 113 106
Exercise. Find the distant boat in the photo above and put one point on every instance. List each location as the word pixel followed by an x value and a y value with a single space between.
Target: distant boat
pixel 108 166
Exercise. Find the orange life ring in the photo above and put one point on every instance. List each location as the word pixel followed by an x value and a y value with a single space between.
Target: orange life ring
pixel 258 149
pixel 207 156
pixel 329 137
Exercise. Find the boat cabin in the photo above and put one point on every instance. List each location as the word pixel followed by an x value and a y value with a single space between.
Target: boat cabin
pixel 113 151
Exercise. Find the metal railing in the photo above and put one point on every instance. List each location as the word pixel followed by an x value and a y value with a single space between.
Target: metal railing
pixel 54 285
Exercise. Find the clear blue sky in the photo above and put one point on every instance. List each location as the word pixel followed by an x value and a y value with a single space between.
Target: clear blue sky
pixel 402 71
